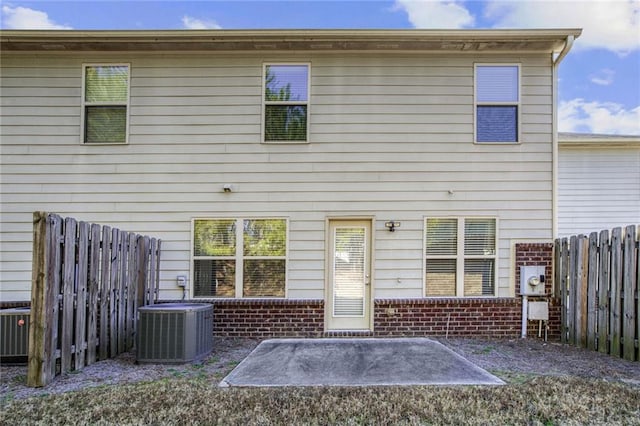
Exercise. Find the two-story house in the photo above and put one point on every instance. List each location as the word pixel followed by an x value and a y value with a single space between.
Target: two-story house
pixel 305 182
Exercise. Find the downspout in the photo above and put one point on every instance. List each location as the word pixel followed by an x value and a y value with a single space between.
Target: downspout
pixel 554 203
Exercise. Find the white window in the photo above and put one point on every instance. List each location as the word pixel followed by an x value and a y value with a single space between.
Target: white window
pixel 286 103
pixel 497 103
pixel 239 257
pixel 460 257
pixel 105 103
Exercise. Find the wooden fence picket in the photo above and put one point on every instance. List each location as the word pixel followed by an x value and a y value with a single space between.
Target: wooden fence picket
pixel 82 265
pixel 93 293
pixel 629 291
pixel 592 290
pixel 616 292
pixel 572 286
pixel 68 290
pixel 85 293
pixel 113 293
pixel 563 255
pixel 603 292
pixel 105 291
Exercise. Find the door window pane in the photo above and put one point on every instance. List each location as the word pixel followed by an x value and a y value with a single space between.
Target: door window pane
pixel 349 271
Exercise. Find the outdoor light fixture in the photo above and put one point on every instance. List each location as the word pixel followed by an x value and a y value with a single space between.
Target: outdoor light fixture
pixel 392 225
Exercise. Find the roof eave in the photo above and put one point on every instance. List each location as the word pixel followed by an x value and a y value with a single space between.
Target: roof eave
pixel 260 40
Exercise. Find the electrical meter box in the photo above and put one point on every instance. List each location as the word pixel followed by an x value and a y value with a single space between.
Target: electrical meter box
pixel 532 280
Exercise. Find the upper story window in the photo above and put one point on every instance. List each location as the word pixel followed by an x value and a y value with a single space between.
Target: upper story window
pixel 105 103
pixel 239 257
pixel 497 103
pixel 286 102
pixel 460 257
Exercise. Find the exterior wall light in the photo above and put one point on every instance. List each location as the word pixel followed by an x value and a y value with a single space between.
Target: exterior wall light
pixel 392 225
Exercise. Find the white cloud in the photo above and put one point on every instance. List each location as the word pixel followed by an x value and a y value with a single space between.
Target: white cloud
pixel 23 18
pixel 578 115
pixel 436 14
pixel 199 24
pixel 604 77
pixel 612 25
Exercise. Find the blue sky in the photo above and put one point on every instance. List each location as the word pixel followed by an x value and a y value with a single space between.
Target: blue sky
pixel 599 80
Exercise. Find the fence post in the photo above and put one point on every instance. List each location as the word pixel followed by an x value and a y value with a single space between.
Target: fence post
pixel 39 370
pixel 629 293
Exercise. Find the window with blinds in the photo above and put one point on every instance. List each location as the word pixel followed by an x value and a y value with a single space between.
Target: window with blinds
pixel 105 103
pixel 497 101
pixel 460 257
pixel 239 257
pixel 286 102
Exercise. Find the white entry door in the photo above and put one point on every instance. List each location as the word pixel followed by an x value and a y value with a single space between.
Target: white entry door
pixel 349 286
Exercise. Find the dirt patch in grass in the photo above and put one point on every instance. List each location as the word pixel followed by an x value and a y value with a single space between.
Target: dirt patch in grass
pixel 547 383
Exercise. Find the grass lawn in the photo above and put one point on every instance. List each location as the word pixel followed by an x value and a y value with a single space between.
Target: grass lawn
pixel 526 399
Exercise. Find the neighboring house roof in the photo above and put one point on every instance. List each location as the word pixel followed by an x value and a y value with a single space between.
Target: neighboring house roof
pixel 592 139
pixel 534 40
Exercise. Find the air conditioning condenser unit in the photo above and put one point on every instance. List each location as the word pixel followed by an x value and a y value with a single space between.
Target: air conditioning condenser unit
pixel 14 333
pixel 174 332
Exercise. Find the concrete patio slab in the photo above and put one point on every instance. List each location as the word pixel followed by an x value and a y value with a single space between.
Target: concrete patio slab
pixel 355 362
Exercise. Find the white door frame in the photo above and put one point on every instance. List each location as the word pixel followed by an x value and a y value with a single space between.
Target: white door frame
pixel 364 323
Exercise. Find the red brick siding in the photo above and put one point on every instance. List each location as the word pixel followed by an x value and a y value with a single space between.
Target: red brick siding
pixel 453 317
pixel 263 318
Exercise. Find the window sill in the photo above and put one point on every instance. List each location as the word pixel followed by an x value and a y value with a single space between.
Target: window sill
pixel 285 142
pixel 497 143
pixel 104 143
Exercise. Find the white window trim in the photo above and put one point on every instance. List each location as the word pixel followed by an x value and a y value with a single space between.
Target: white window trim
pixel 239 284
pixel 459 257
pixel 516 104
pixel 85 104
pixel 265 103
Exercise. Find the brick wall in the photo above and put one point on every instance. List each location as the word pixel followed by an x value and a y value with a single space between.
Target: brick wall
pixel 452 317
pixel 268 318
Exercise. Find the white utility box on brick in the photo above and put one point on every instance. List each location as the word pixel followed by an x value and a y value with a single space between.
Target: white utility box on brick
pixel 532 280
pixel 538 311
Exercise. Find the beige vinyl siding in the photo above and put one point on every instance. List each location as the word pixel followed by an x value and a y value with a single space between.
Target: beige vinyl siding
pixel 598 188
pixel 389 138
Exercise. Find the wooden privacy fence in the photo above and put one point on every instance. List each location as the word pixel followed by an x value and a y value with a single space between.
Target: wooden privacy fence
pixel 87 282
pixel 596 278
